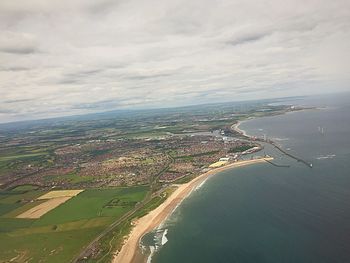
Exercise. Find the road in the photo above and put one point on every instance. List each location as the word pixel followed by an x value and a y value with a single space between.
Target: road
pixel 88 249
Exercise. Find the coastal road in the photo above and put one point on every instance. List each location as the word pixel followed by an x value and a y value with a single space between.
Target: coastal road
pixel 154 181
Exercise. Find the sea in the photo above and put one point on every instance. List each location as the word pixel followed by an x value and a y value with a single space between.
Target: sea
pixel 267 213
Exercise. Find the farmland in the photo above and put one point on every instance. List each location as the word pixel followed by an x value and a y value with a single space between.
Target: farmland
pixel 60 234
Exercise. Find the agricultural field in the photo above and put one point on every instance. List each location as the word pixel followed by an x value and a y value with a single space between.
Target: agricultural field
pixel 52 200
pixel 60 193
pixel 61 233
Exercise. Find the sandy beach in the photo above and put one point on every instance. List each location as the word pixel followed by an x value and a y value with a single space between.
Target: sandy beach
pixel 153 219
pixel 236 128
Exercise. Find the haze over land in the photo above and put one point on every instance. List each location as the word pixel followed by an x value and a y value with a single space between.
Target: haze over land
pixel 63 58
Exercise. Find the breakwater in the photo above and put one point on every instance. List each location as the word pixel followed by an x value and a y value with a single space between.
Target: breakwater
pixel 278 165
pixel 308 164
pixel 236 129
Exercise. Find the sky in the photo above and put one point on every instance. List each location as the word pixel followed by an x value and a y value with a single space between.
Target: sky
pixel 67 57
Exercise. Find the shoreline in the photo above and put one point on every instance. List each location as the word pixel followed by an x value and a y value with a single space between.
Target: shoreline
pixel 130 250
pixel 236 128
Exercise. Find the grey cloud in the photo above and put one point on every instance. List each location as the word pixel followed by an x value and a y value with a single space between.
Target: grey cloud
pixel 67 80
pixel 14 68
pixel 18 43
pixel 247 39
pixel 7 111
pixel 109 104
pixel 95 105
pixel 77 76
pixel 71 57
pixel 102 7
pixel 18 50
pixel 15 101
pixel 151 76
pixel 82 73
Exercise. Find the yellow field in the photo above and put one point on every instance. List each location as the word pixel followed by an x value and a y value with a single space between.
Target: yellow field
pixel 54 199
pixel 218 164
pixel 43 208
pixel 60 193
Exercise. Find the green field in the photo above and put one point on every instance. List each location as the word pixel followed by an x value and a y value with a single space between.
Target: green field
pixel 25 187
pixel 72 178
pixel 60 234
pixel 21 156
pixel 241 148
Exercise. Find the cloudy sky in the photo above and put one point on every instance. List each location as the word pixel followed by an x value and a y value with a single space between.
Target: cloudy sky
pixel 64 57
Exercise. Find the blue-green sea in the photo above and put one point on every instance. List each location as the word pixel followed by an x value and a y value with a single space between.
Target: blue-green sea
pixel 262 213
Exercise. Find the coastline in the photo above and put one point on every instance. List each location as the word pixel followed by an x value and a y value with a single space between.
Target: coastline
pixel 130 250
pixel 236 128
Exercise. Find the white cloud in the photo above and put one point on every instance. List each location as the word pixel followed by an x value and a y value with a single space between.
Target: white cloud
pixel 71 57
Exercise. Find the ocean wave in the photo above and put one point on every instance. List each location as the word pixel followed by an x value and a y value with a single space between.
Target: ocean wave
pixel 200 185
pixel 152 250
pixel 164 238
pixel 329 156
pixel 159 234
pixel 159 240
pixel 281 139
